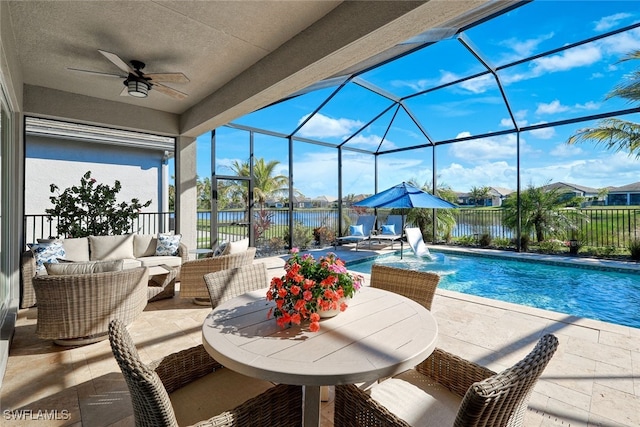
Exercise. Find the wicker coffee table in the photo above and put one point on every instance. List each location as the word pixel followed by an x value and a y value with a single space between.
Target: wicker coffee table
pixel 162 282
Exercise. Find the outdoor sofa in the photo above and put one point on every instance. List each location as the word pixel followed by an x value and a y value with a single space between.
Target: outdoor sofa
pixel 136 250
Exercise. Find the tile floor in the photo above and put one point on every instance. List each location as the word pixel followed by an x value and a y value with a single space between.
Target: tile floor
pixel 593 379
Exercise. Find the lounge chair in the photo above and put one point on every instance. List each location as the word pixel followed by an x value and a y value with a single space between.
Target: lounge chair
pixel 392 230
pixel 359 232
pixel 446 390
pixel 414 237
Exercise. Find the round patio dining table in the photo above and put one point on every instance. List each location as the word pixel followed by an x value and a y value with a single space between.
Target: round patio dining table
pixel 379 335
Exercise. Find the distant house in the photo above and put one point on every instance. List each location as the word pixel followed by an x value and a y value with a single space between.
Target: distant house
pixel 496 196
pixel 574 190
pixel 324 201
pixel 626 195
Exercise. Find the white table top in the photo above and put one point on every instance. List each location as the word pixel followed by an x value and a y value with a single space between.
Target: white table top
pixel 380 334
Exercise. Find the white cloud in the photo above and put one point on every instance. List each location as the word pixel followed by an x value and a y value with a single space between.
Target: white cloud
pixel 544 133
pixel 523 48
pixel 495 174
pixel 369 141
pixel 321 126
pixel 590 105
pixel 610 21
pixel 621 44
pixel 565 150
pixel 577 57
pixel 520 117
pixel 485 149
pixel 551 108
pixel 480 84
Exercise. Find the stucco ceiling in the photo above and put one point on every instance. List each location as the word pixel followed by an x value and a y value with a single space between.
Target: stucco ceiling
pixel 238 55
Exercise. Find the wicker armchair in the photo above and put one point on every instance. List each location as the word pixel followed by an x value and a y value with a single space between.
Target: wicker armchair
pixel 192 273
pixel 419 286
pixel 190 385
pixel 446 390
pixel 76 309
pixel 226 284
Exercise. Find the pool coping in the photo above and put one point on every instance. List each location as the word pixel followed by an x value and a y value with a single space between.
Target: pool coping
pixel 578 262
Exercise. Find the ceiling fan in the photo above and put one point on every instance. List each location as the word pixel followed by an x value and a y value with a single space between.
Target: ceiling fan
pixel 138 83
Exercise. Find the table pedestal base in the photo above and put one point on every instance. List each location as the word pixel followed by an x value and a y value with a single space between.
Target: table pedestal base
pixel 311 411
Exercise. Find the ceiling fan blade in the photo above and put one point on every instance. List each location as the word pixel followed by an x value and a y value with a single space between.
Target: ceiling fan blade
pixel 115 59
pixel 169 91
pixel 168 77
pixel 99 73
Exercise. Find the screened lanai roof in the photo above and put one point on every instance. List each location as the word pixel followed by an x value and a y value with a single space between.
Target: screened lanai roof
pixel 540 65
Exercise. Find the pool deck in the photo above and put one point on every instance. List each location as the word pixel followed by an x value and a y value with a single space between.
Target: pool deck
pixel 592 380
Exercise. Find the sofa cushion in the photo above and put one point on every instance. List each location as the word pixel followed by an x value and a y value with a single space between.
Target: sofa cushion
pixel 89 267
pixel 104 248
pixel 76 249
pixel 238 246
pixel 47 252
pixel 131 263
pixel 144 245
pixel 168 244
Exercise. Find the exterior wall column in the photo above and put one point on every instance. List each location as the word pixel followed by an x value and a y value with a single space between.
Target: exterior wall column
pixel 186 192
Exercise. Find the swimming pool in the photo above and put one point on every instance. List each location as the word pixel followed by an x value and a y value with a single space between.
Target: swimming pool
pixel 611 296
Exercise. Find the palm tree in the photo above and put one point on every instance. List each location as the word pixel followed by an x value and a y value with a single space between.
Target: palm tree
pixel 542 211
pixel 423 218
pixel 266 184
pixel 480 194
pixel 617 134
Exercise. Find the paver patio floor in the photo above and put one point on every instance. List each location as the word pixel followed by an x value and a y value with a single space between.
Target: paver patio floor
pixel 592 380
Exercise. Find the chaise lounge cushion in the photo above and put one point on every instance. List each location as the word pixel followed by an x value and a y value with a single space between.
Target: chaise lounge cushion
pixel 103 248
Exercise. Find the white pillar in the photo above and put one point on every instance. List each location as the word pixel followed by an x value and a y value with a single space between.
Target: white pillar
pixel 186 193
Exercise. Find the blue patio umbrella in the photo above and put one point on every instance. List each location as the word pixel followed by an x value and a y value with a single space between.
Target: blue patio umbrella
pixel 405 196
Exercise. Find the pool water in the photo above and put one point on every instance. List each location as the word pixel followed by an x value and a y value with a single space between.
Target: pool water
pixel 611 296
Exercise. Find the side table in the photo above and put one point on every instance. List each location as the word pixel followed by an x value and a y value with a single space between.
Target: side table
pixel 162 282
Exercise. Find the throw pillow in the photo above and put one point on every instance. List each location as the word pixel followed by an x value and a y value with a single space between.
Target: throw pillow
pixel 356 230
pixel 47 252
pixel 168 244
pixel 238 246
pixel 389 229
pixel 222 249
pixel 69 268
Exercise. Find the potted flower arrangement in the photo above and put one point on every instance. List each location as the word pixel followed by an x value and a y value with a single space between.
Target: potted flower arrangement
pixel 309 287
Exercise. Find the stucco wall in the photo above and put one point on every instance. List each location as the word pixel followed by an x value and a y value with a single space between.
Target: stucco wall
pixel 63 162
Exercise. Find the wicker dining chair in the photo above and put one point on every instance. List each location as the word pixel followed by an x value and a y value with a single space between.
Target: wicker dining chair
pixel 419 286
pixel 188 386
pixel 446 390
pixel 192 273
pixel 226 284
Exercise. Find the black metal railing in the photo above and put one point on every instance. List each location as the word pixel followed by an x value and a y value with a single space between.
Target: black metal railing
pixel 595 227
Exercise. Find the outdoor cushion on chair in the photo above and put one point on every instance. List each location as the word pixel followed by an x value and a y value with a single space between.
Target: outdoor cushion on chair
pixel 446 390
pixel 189 386
pixel 360 231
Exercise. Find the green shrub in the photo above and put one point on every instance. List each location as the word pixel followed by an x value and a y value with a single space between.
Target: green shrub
pixel 634 248
pixel 302 236
pixel 485 240
pixel 502 242
pixel 552 246
pixel 467 240
pixel 91 209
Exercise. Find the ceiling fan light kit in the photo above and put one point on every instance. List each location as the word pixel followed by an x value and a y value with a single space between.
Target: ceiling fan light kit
pixel 137 88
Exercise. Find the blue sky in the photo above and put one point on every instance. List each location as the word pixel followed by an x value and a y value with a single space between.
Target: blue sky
pixel 565 85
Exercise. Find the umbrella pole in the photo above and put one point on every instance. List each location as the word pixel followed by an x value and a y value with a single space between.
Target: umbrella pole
pixel 402 239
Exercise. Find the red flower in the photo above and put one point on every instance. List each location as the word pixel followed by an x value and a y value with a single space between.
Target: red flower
pixel 308 286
